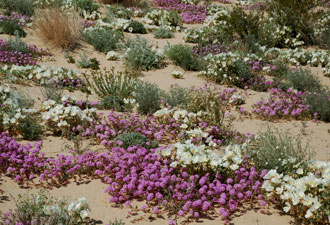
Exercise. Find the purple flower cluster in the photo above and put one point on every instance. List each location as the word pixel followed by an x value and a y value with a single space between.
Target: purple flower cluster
pixel 213 49
pixel 10 56
pixel 88 23
pixel 81 104
pixel 259 83
pixel 137 173
pixel 16 18
pixel 190 13
pixel 282 104
pixel 75 83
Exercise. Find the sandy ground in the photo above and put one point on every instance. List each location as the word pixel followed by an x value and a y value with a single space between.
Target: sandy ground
pixel 315 134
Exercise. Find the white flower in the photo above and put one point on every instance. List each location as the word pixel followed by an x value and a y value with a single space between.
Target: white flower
pixel 287 207
pixel 83 214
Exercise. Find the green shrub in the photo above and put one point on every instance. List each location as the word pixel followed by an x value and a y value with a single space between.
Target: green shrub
pixel 278 150
pixel 50 92
pixel 12 28
pixel 182 56
pixel 113 102
pixel 103 40
pixel 25 7
pixel 299 16
pixel 87 5
pixel 178 96
pixel 148 96
pixel 319 102
pixel 163 33
pixel 282 69
pixel 136 27
pixel 17 44
pixel 117 12
pixel 242 24
pixel 134 139
pixel 140 55
pixel 242 73
pixel 29 128
pixel 303 80
pixel 111 83
pixel 324 39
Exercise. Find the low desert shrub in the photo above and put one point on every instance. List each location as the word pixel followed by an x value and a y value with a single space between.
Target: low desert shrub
pixel 182 56
pixel 51 92
pixel 139 55
pixel 242 73
pixel 25 7
pixel 136 27
pixel 148 97
pixel 62 29
pixel 111 83
pixel 299 18
pixel 163 33
pixel 278 150
pixel 319 103
pixel 29 128
pixel 18 45
pixel 87 5
pixel 114 11
pixel 42 209
pixel 178 96
pixel 12 28
pixel 134 139
pixel 103 40
pixel 113 102
pixel 303 80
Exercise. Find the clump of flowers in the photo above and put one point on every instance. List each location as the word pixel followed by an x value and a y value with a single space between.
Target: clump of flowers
pixel 112 55
pixel 191 12
pixel 47 210
pixel 210 49
pixel 304 194
pixel 12 112
pixel 16 18
pixel 58 77
pixel 29 56
pixel 162 18
pixel 282 104
pixel 64 118
pixel 177 74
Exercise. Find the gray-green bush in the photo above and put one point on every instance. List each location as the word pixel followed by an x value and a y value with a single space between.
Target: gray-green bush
pixel 181 55
pixel 102 39
pixel 140 56
pixel 148 96
pixel 134 139
pixel 163 33
pixel 178 96
pixel 278 150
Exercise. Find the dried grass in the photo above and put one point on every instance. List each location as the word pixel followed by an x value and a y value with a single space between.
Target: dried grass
pixel 62 29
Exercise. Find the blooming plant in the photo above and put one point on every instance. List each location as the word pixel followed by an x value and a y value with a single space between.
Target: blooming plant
pixel 304 194
pixel 46 210
pixel 58 77
pixel 62 119
pixel 10 56
pixel 168 19
pixel 282 104
pixel 177 74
